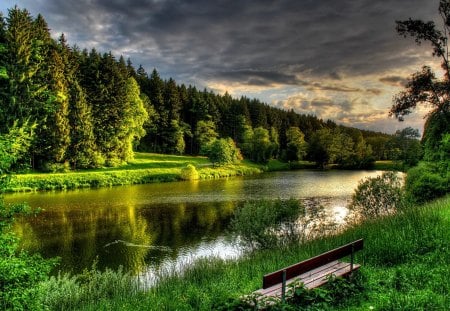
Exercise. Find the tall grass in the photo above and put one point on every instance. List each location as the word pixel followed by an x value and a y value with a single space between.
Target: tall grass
pixel 406 262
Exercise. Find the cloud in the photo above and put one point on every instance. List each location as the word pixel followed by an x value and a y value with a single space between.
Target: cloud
pixel 394 80
pixel 218 39
pixel 356 112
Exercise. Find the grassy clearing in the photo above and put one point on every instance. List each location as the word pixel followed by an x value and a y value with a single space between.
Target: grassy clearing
pixel 145 168
pixel 406 263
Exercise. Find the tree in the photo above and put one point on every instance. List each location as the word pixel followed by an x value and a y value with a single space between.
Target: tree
pixel 275 139
pixel 296 145
pixel 134 117
pixel 408 144
pixel 423 87
pixel 54 138
pixel 332 147
pixel 82 149
pixel 14 145
pixel 205 134
pixel 224 151
pixel 262 146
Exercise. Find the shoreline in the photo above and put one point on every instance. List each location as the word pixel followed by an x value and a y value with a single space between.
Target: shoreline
pixel 144 169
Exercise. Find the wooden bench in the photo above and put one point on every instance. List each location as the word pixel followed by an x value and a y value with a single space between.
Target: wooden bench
pixel 312 272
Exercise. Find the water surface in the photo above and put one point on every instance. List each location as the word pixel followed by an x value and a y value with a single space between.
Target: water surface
pixel 146 227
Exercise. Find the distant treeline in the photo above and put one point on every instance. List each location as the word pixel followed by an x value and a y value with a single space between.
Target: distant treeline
pixel 88 109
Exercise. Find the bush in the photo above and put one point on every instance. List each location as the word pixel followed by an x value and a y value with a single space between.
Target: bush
pixel 56 167
pixel 378 196
pixel 20 273
pixel 189 173
pixel 260 223
pixel 425 183
pixel 224 151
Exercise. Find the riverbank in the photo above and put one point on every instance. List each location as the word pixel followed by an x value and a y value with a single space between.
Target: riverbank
pixel 405 264
pixel 145 168
pixel 151 168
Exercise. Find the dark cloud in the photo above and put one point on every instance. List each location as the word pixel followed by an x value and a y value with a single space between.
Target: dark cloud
pixel 261 78
pixel 394 80
pixel 222 39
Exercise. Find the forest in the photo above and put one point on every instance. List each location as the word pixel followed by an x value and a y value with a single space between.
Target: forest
pixel 84 109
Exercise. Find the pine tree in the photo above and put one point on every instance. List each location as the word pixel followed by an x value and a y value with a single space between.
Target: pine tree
pixel 82 150
pixel 24 62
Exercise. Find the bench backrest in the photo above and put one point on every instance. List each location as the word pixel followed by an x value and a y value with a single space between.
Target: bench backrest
pixel 312 263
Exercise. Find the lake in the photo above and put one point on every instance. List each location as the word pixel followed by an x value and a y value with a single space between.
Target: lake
pixel 163 226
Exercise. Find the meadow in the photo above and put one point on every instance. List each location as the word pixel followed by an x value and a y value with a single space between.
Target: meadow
pixel 145 168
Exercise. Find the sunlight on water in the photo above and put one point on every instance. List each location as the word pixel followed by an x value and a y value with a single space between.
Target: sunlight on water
pixel 339 213
pixel 219 248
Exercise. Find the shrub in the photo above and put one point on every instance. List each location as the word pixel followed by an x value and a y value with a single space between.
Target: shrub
pixel 224 151
pixel 424 183
pixel 56 167
pixel 189 173
pixel 378 196
pixel 260 223
pixel 20 273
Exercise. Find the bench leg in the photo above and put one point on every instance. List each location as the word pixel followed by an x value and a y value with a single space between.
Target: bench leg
pixel 352 258
pixel 283 287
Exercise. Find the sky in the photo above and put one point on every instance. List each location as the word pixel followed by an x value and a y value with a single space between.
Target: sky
pixel 340 60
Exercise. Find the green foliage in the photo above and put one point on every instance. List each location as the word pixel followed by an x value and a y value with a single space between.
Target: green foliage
pixel 223 151
pixel 296 145
pixel 189 173
pixel 257 144
pixel 378 196
pixel 345 147
pixel 67 292
pixel 424 87
pixel 426 182
pixel 206 135
pixel 259 224
pixel 20 273
pixel 14 145
pixel 82 150
pixel 409 147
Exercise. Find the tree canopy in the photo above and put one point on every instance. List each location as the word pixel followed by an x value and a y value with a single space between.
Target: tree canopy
pixel 423 88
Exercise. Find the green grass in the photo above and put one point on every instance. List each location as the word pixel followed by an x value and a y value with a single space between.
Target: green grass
pixel 145 168
pixel 405 262
pixel 277 165
pixel 387 165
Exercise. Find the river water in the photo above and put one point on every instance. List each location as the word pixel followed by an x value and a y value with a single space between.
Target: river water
pixel 162 226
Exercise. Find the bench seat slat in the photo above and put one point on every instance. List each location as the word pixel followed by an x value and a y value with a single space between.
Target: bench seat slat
pixel 313 278
pixel 312 263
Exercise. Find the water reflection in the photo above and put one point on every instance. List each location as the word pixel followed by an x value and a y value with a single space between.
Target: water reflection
pixel 159 225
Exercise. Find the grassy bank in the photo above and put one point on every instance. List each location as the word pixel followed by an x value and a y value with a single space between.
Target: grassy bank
pixel 405 265
pixel 149 168
pixel 145 168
